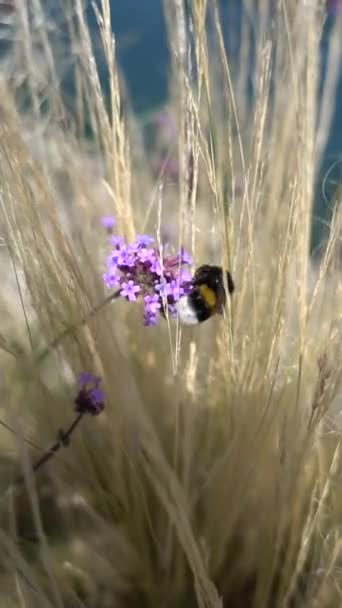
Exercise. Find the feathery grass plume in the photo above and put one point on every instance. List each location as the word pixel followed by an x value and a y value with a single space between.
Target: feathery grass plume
pixel 214 483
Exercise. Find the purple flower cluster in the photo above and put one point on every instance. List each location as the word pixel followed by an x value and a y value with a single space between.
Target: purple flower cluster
pixel 90 397
pixel 141 269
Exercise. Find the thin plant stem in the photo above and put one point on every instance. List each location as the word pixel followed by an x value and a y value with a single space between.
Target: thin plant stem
pixel 63 440
pixel 71 328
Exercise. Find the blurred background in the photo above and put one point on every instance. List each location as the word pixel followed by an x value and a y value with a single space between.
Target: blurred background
pixel 218 455
pixel 143 55
pixel 144 58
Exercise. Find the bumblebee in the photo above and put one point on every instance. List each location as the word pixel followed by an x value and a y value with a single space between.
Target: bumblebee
pixel 207 296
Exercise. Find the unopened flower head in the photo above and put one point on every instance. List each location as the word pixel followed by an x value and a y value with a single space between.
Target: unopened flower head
pixel 90 397
pixel 140 269
pixel 108 222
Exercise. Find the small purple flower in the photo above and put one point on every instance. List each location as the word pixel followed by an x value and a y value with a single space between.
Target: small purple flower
pixel 163 288
pixel 125 258
pixel 112 259
pixel 175 290
pixel 116 241
pixel 172 308
pixel 129 291
pixel 156 267
pixel 108 222
pixel 111 279
pixel 150 319
pixel 152 304
pixel 185 257
pixel 143 240
pixel 146 255
pixel 185 277
pixel 90 397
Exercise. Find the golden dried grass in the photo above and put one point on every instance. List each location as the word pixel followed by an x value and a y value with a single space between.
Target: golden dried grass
pixel 212 477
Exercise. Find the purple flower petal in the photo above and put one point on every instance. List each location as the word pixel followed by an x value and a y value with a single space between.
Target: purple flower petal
pixel 152 304
pixel 172 308
pixel 150 319
pixel 116 241
pixel 156 267
pixel 175 290
pixel 185 257
pixel 146 255
pixel 125 259
pixel 184 276
pixel 111 279
pixel 112 259
pixel 143 240
pixel 97 395
pixel 163 288
pixel 129 291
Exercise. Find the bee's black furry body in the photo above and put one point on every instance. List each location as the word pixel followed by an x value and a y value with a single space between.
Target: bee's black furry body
pixel 208 294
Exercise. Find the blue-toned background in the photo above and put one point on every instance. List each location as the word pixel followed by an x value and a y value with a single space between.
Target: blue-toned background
pixel 143 55
pixel 144 59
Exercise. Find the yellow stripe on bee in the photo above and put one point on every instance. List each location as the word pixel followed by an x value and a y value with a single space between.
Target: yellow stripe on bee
pixel 208 296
